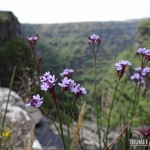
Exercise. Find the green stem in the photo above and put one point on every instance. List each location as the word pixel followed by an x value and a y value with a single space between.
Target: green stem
pixel 35 64
pixel 50 119
pixel 36 68
pixel 132 99
pixel 111 107
pixel 4 117
pixel 68 132
pixel 10 87
pixel 96 102
pixel 60 123
pixel 71 109
pixel 136 101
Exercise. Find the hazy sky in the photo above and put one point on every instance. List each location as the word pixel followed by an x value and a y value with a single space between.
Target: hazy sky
pixel 58 11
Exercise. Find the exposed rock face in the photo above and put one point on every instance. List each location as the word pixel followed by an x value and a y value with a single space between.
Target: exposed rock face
pixel 18 119
pixel 14 50
pixel 9 25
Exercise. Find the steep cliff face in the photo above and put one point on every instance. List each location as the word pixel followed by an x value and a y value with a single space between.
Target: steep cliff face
pixel 9 26
pixel 14 50
pixel 143 36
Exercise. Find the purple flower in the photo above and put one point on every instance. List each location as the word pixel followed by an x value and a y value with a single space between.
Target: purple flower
pixel 140 75
pixel 141 50
pixel 120 67
pixel 94 42
pixel 136 76
pixel 32 39
pixel 147 52
pixel 36 101
pixel 146 133
pixel 94 39
pixel 44 86
pixel 67 73
pixel 78 90
pixel 138 69
pixel 66 83
pixel 47 81
pixel 145 71
pixel 139 79
pixel 124 63
pixel 144 52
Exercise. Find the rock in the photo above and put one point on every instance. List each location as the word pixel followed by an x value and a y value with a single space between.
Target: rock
pixel 34 114
pixel 47 135
pixel 16 107
pixel 19 119
pixel 36 145
pixel 9 25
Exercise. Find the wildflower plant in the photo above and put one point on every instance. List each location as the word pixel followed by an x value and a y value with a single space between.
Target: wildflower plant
pixel 140 77
pixel 36 101
pixel 47 83
pixel 94 43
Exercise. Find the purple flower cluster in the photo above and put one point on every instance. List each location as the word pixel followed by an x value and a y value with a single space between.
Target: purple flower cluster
pixel 146 133
pixel 144 52
pixel 69 84
pixel 138 78
pixel 32 40
pixel 120 67
pixel 121 64
pixel 36 101
pixel 94 39
pixel 47 81
pixel 67 73
pixel 140 75
pixel 66 83
pixel 78 90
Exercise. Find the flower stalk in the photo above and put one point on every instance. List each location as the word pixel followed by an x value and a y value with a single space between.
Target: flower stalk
pixel 11 83
pixel 47 83
pixel 94 42
pixel 110 111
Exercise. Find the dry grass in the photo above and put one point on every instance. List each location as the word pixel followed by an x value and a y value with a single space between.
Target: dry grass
pixel 76 132
pixel 29 147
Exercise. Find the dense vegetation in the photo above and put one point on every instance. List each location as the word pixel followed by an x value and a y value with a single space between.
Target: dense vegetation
pixel 66 45
pixel 125 93
pixel 14 50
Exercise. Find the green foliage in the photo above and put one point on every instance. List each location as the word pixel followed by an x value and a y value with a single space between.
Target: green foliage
pixel 143 38
pixel 66 46
pixel 126 91
pixel 7 16
pixel 13 49
pixel 13 52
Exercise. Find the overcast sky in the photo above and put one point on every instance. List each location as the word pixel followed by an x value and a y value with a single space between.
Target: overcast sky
pixel 60 11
